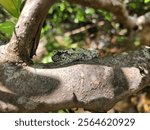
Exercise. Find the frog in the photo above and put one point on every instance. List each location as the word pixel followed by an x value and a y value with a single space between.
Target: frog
pixel 72 55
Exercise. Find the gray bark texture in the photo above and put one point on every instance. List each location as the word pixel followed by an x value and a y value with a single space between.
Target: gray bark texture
pixel 95 85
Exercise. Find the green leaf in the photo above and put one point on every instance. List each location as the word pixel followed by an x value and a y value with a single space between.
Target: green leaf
pixel 146 1
pixel 12 6
pixel 79 17
pixel 133 5
pixel 7 28
pixel 89 11
pixel 106 15
pixel 62 7
pixel 70 10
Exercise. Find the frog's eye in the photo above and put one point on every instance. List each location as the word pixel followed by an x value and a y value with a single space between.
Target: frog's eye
pixel 64 55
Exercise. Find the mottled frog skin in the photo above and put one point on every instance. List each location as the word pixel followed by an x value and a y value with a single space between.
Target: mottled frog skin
pixel 71 55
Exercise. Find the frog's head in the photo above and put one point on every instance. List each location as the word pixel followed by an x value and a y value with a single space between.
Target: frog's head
pixel 60 55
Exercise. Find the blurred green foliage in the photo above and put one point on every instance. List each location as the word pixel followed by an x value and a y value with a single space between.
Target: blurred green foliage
pixel 138 7
pixel 10 11
pixel 7 28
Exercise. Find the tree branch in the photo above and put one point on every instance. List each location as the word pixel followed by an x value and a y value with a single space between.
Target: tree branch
pixel 141 23
pixel 143 31
pixel 114 6
pixel 94 85
pixel 24 41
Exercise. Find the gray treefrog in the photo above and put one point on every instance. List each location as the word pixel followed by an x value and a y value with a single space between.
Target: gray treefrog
pixel 71 55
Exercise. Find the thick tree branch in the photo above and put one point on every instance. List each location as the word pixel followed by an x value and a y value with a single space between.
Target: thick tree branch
pixel 24 41
pixel 94 85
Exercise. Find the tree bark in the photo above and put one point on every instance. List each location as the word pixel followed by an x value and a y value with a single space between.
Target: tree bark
pixel 25 39
pixel 94 85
